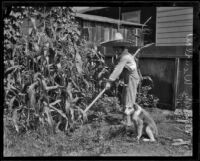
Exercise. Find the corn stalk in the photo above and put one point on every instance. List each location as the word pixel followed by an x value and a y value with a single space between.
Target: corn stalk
pixel 49 69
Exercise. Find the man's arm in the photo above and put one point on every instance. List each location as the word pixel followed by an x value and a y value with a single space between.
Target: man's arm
pixel 118 69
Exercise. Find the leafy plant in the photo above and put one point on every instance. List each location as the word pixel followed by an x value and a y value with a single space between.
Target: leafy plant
pixel 50 72
pixel 143 97
pixel 184 101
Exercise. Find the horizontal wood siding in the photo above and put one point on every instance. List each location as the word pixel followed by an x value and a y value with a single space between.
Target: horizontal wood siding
pixel 173 24
pixel 175 12
pixel 171 44
pixel 175 29
pixel 174 18
pixel 172 40
pixel 164 9
pixel 165 35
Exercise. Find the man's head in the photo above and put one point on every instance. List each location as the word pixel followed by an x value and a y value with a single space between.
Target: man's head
pixel 118 49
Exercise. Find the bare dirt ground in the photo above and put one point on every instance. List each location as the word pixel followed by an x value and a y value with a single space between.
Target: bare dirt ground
pixel 101 139
pixel 163 146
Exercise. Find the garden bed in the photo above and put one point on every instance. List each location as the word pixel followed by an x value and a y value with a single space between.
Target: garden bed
pixel 100 139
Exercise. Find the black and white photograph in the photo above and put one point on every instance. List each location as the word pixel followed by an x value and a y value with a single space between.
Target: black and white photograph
pixel 100 80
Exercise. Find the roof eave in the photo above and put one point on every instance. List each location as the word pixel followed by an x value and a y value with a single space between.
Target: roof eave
pixel 106 20
pixel 91 9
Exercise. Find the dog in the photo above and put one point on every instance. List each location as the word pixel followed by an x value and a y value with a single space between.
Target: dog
pixel 144 123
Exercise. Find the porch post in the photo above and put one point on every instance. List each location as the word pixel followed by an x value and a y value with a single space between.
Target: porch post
pixel 176 80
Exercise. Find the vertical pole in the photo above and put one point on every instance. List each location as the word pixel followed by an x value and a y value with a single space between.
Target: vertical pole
pixel 136 39
pixel 118 27
pixel 176 80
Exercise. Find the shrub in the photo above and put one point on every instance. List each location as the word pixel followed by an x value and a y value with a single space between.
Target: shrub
pixel 144 98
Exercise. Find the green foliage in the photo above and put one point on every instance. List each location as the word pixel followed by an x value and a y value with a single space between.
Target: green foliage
pixel 184 101
pixel 184 104
pixel 144 98
pixel 51 74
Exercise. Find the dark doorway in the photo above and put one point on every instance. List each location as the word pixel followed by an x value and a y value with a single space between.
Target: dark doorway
pixel 161 72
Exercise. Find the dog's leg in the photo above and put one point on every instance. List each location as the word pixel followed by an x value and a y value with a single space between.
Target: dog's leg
pixel 139 128
pixel 150 134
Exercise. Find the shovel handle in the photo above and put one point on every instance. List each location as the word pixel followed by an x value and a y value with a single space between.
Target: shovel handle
pixel 99 95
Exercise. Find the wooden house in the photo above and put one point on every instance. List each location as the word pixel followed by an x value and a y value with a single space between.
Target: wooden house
pixel 169 62
pixel 97 29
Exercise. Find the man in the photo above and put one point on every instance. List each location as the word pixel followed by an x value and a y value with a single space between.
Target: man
pixel 128 66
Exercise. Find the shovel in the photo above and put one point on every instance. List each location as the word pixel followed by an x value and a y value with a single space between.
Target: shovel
pixel 88 107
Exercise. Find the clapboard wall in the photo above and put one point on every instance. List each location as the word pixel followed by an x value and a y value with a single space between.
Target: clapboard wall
pixel 97 32
pixel 173 24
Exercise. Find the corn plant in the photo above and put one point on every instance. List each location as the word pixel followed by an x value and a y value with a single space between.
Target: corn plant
pixel 50 73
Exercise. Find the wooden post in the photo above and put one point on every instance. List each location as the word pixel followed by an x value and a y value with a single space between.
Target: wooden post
pixel 176 80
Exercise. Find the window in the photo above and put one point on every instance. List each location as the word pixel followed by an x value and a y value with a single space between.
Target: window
pixel 133 16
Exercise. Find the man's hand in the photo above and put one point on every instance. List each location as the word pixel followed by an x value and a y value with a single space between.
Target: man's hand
pixel 108 85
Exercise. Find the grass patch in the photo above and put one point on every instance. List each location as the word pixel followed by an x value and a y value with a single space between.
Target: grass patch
pixel 92 139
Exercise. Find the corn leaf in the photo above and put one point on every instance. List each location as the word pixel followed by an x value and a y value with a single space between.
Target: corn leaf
pixel 69 90
pixel 15 119
pixel 11 103
pixel 34 23
pixel 104 70
pixel 79 63
pixel 62 114
pixel 49 117
pixel 67 106
pixel 55 102
pixel 48 88
pixel 72 113
pixel 31 94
